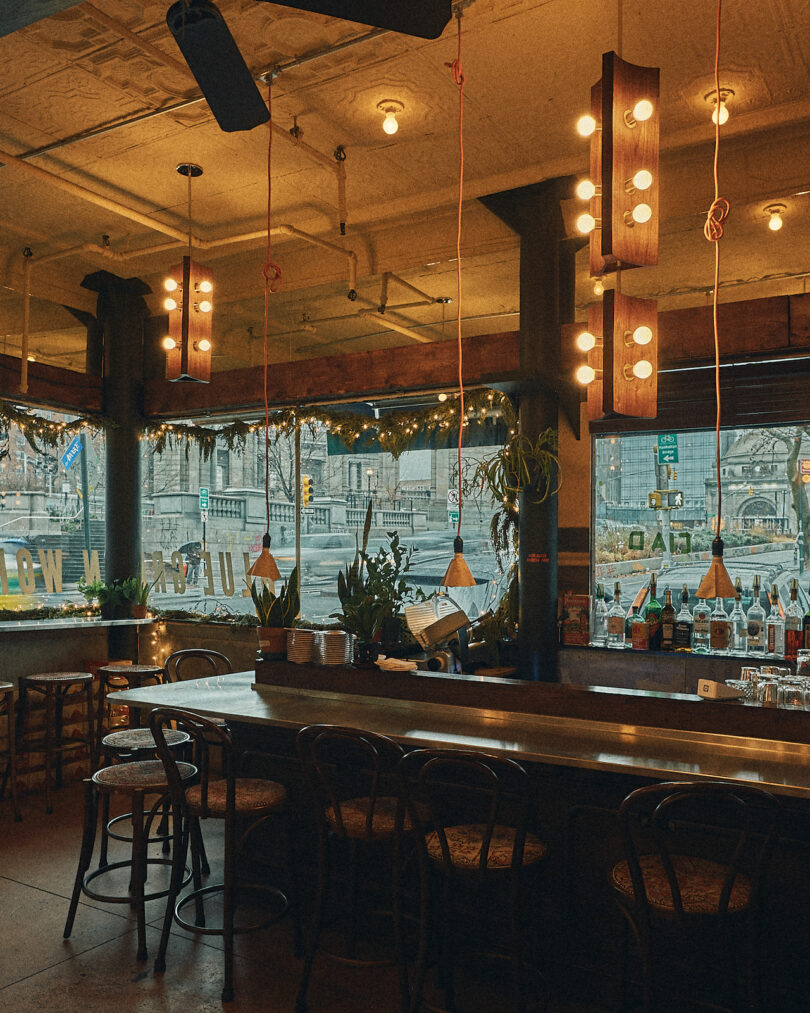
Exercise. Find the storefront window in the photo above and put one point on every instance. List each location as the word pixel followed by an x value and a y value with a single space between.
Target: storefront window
pixel 655 503
pixel 51 514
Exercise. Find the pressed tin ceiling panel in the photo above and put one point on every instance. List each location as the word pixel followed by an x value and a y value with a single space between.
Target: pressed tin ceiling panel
pixel 529 65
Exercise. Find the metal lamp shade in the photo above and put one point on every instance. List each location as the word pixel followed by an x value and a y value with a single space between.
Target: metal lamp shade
pixel 265 565
pixel 458 573
pixel 717 583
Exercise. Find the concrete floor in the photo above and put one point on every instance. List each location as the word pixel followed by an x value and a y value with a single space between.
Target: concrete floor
pixel 96 969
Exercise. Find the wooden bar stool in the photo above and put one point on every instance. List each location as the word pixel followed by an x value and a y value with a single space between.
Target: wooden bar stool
pixel 54 687
pixel 10 773
pixel 118 677
pixel 137 779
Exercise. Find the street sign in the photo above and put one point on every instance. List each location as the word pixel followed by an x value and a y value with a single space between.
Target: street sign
pixel 452 499
pixel 668 448
pixel 204 516
pixel 675 498
pixel 452 516
pixel 72 452
pixel 203 497
pixel 804 466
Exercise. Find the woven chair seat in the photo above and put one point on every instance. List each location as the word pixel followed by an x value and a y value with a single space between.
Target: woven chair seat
pixel 5 687
pixel 354 812
pixel 700 882
pixel 152 671
pixel 43 678
pixel 464 842
pixel 132 740
pixel 253 795
pixel 141 775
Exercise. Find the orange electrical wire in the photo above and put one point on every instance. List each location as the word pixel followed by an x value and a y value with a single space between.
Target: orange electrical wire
pixel 458 77
pixel 713 231
pixel 272 283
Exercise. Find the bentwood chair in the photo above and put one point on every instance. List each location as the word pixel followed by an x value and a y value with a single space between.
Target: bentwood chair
pixel 195 662
pixel 352 790
pixel 470 815
pixel 244 804
pixel 691 886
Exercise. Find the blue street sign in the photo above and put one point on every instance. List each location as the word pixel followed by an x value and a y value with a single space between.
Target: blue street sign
pixel 72 452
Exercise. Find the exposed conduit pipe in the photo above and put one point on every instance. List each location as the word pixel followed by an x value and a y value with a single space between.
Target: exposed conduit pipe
pixel 26 321
pixel 392 325
pixel 129 36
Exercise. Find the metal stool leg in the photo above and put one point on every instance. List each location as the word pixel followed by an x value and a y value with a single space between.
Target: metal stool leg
pixel 86 853
pixel 139 869
pixel 49 725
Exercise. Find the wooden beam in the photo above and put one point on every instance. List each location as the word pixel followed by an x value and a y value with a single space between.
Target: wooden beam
pixel 50 386
pixel 488 359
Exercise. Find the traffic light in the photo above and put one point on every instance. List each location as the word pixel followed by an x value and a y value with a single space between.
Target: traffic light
pixel 654 499
pixel 306 490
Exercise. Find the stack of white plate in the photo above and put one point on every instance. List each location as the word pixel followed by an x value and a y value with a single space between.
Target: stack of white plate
pixel 300 644
pixel 331 647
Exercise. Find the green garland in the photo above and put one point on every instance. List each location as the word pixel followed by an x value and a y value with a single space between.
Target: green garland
pixel 395 432
pixel 38 430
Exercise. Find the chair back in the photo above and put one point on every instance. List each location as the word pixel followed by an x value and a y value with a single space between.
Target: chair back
pixel 720 835
pixel 444 788
pixel 196 663
pixel 342 763
pixel 204 735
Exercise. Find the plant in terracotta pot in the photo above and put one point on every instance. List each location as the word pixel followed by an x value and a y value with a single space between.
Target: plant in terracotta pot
pixel 275 613
pixel 140 597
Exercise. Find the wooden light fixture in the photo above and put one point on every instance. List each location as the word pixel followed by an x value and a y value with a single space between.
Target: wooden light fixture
pixel 189 287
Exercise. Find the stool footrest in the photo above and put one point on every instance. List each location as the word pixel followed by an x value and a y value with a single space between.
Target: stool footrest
pixel 238 930
pixel 126 899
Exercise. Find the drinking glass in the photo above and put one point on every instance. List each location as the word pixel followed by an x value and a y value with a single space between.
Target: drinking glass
pixel 791 693
pixel 767 692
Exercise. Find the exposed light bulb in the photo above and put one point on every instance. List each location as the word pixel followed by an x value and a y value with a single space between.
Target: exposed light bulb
pixel 585 341
pixel 442 396
pixel 170 304
pixel 642 335
pixel 169 343
pixel 206 286
pixel 585 189
pixel 390 124
pixel 585 375
pixel 720 113
pixel 642 180
pixel 170 285
pixel 586 223
pixel 203 345
pixel 586 125
pixel 775 222
pixel 205 306
pixel 642 110
pixel 598 287
pixel 642 369
pixel 641 213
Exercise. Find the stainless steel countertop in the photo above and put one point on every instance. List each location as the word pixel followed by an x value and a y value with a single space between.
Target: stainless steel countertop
pixel 782 767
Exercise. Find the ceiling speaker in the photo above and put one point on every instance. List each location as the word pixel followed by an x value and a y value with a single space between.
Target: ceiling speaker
pixel 217 65
pixel 425 19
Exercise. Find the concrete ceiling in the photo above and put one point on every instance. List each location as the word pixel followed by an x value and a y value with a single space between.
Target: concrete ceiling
pixel 529 66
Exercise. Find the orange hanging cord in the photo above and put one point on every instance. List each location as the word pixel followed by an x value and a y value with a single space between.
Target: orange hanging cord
pixel 272 283
pixel 713 231
pixel 458 77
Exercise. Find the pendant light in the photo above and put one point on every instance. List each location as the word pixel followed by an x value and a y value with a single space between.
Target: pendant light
pixel 189 306
pixel 717 583
pixel 458 572
pixel 265 565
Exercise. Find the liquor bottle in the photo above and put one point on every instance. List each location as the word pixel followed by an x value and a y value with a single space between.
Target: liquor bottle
pixel 701 617
pixel 738 643
pixel 615 620
pixel 639 631
pixel 719 629
pixel 652 617
pixel 755 620
pixel 794 634
pixel 683 624
pixel 775 627
pixel 668 623
pixel 599 622
pixel 806 626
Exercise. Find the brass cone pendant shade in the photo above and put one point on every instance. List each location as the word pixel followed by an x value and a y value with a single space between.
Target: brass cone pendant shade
pixel 717 583
pixel 265 565
pixel 458 573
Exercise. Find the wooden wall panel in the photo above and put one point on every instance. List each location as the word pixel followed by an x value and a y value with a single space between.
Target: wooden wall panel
pixel 750 327
pixel 51 386
pixel 488 358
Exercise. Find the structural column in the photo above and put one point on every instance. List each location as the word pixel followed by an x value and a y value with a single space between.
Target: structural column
pixel 546 302
pixel 121 314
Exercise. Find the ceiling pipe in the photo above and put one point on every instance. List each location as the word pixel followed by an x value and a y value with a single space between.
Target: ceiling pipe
pixel 392 325
pixel 129 36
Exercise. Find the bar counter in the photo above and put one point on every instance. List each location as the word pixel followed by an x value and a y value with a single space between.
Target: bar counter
pixel 607 746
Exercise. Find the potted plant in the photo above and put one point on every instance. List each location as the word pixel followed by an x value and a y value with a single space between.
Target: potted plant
pixel 140 596
pixel 386 581
pixel 275 613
